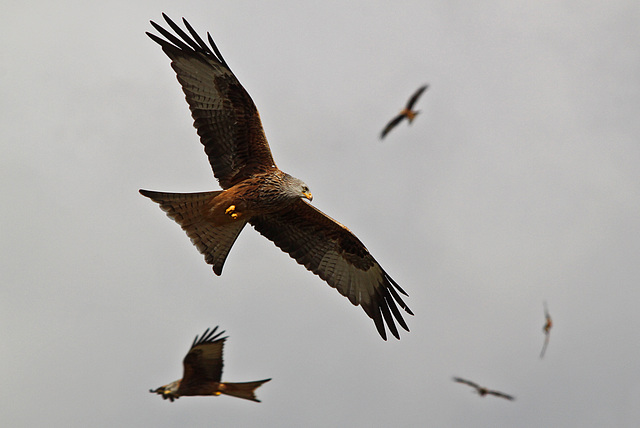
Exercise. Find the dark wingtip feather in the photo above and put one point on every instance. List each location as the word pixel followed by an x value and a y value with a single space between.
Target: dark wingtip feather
pixel 394 309
pixel 217 51
pixel 184 42
pixel 398 299
pixel 386 313
pixel 377 320
pixel 196 37
pixel 208 336
pixel 217 269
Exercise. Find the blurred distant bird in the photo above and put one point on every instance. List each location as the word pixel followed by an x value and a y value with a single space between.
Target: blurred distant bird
pixel 407 112
pixel 482 390
pixel 546 329
pixel 203 370
pixel 257 192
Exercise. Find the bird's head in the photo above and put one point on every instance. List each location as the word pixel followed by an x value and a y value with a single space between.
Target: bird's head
pixel 296 188
pixel 169 391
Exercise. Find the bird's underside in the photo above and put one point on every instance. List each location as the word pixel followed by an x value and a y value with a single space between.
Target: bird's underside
pixel 255 191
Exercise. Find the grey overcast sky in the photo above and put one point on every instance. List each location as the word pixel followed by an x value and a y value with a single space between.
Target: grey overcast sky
pixel 518 183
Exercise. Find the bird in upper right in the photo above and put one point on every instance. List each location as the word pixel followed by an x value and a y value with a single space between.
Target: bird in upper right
pixel 407 112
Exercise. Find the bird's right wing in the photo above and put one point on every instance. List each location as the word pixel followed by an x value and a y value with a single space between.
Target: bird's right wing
pixel 415 97
pixel 544 345
pixel 224 114
pixel 501 394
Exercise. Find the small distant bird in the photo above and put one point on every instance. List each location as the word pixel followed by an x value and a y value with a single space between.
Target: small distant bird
pixel 407 112
pixel 482 391
pixel 203 370
pixel 546 329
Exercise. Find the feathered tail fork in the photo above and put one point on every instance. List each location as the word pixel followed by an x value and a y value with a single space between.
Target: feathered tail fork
pixel 244 390
pixel 189 211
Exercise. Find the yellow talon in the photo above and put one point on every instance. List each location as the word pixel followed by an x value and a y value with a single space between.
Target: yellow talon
pixel 234 216
pixel 231 209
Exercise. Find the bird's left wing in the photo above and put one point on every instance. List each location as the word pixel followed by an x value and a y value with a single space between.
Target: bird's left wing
pixel 203 363
pixel 392 124
pixel 466 382
pixel 335 254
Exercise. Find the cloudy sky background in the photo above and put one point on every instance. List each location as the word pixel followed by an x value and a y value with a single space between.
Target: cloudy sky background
pixel 518 183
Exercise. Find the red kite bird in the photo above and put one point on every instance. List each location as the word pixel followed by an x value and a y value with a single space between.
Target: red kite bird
pixel 407 112
pixel 482 391
pixel 203 370
pixel 546 329
pixel 255 191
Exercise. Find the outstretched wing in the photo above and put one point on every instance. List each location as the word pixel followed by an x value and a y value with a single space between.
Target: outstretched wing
pixel 394 122
pixel 544 345
pixel 501 394
pixel 224 114
pixel 331 251
pixel 203 363
pixel 415 96
pixel 467 382
pixel 546 310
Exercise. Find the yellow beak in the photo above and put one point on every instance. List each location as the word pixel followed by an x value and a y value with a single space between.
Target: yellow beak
pixel 308 195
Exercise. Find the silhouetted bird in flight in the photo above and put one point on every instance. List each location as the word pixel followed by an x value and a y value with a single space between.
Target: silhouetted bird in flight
pixel 482 391
pixel 203 371
pixel 407 112
pixel 546 329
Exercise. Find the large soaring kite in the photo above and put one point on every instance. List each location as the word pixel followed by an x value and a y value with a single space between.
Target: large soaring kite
pixel 257 192
pixel 203 371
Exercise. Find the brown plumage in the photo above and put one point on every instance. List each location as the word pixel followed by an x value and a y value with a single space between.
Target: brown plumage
pixel 546 329
pixel 255 191
pixel 407 112
pixel 482 391
pixel 203 371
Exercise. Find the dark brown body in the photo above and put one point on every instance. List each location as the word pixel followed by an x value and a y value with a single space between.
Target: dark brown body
pixel 244 390
pixel 203 371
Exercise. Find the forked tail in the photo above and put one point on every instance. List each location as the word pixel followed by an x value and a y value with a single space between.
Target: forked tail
pixel 188 210
pixel 244 390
